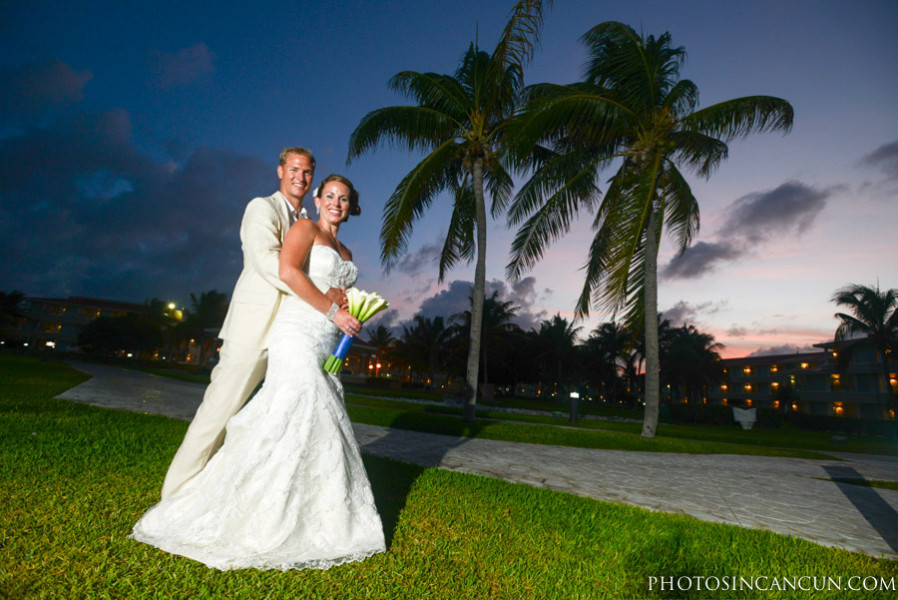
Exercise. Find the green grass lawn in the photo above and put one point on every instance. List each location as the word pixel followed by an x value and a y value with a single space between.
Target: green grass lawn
pixel 74 479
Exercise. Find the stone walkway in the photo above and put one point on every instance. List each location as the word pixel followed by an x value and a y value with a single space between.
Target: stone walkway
pixel 777 494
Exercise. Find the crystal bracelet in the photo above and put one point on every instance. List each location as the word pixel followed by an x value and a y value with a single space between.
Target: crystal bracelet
pixel 333 311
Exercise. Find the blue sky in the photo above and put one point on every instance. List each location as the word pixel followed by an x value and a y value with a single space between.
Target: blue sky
pixel 133 134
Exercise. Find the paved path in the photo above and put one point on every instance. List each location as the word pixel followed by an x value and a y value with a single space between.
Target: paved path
pixel 777 494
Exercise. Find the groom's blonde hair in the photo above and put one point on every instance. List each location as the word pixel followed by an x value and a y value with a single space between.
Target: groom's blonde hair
pixel 297 150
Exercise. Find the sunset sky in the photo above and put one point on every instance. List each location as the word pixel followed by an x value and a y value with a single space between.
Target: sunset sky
pixel 132 135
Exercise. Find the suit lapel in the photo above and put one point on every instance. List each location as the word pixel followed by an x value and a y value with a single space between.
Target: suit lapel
pixel 280 205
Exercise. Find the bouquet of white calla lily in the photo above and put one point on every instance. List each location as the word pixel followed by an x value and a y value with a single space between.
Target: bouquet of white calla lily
pixel 362 306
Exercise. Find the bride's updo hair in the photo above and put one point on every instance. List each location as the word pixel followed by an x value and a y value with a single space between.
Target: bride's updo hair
pixel 354 208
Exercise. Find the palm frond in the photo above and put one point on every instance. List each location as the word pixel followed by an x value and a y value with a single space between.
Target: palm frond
pixel 682 98
pixel 499 185
pixel 681 214
pixel 460 244
pixel 437 172
pixel 572 116
pixel 553 197
pixel 570 176
pixel 641 70
pixel 740 117
pixel 700 152
pixel 442 93
pixel 407 127
pixel 520 38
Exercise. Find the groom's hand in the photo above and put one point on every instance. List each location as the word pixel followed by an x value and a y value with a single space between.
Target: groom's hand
pixel 338 296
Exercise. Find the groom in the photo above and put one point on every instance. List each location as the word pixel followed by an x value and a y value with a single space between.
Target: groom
pixel 257 295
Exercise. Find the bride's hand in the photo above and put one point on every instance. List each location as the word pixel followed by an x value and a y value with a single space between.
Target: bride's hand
pixel 347 323
pixel 338 297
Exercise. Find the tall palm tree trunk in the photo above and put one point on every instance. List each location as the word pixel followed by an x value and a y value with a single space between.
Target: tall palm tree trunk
pixel 652 358
pixel 472 371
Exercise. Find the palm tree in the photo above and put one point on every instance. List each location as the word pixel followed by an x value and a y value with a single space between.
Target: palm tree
pixel 634 107
pixel 875 318
pixel 422 345
pixel 557 341
pixel 497 333
pixel 10 307
pixel 459 122
pixel 204 319
pixel 608 356
pixel 381 338
pixel 167 318
pixel 691 362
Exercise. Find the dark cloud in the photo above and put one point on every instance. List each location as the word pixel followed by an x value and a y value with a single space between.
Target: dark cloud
pixel 83 213
pixel 34 91
pixel 526 295
pixel 886 158
pixel 425 259
pixel 388 318
pixel 790 208
pixel 683 313
pixel 523 294
pixel 784 349
pixel 737 331
pixel 449 301
pixel 184 67
pixel 177 148
pixel 700 259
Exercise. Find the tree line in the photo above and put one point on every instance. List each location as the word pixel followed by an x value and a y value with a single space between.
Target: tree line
pixel 549 358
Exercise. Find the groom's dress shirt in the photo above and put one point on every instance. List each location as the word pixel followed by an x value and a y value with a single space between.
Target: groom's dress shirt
pixel 294 214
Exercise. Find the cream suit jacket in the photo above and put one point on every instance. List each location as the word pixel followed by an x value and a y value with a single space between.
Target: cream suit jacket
pixel 259 290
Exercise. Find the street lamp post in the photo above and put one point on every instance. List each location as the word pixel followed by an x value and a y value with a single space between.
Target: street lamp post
pixel 575 406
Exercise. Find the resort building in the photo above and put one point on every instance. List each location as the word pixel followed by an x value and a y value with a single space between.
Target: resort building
pixel 56 322
pixel 815 383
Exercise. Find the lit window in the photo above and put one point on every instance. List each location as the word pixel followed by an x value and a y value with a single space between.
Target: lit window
pixel 724 387
pixel 747 387
pixel 804 365
pixel 776 404
pixel 749 403
pixel 774 369
pixel 747 370
pixel 838 409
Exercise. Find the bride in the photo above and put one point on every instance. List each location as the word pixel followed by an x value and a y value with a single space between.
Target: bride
pixel 288 489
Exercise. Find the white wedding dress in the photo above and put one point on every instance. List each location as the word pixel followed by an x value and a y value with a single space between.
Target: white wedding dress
pixel 288 489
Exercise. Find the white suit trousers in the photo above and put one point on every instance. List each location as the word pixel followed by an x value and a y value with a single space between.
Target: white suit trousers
pixel 239 370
